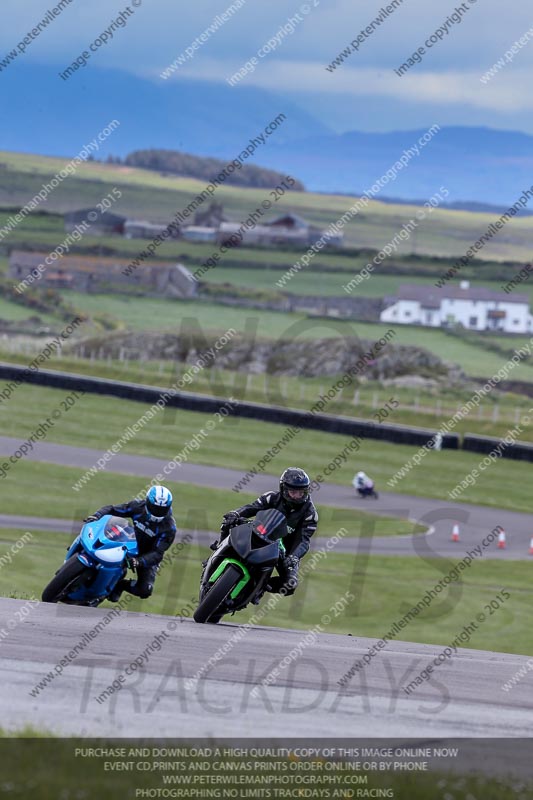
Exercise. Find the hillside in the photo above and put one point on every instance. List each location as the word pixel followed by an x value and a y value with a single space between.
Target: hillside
pixel 149 195
pixel 443 236
pixel 204 169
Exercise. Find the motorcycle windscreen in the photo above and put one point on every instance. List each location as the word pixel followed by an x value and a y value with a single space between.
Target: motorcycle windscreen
pixel 270 524
pixel 118 530
pixel 264 554
pixel 240 539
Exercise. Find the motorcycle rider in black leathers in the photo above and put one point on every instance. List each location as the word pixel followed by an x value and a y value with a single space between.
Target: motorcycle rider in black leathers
pixel 294 502
pixel 155 530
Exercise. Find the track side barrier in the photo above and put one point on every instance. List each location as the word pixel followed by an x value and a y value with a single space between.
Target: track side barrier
pixel 328 423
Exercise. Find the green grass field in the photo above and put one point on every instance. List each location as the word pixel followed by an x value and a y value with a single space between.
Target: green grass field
pixel 384 589
pixel 330 283
pixel 35 486
pixel 383 586
pixel 153 314
pixel 140 313
pixel 98 423
pixel 149 194
pixel 27 756
pixel 427 408
pixel 12 312
pixel 261 267
pixel 158 314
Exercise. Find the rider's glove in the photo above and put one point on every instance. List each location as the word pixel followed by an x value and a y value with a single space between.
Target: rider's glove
pixel 133 562
pixel 231 517
pixel 229 520
pixel 291 562
pixel 92 518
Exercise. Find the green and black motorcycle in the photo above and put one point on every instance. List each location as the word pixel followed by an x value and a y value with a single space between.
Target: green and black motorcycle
pixel 238 571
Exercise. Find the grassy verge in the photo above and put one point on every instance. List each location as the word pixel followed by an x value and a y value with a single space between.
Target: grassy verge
pixel 12 312
pixel 27 773
pixel 427 408
pixel 384 588
pixel 38 485
pixel 98 422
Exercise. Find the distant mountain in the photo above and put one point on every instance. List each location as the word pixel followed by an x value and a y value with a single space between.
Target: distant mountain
pixel 460 205
pixel 199 117
pixel 477 165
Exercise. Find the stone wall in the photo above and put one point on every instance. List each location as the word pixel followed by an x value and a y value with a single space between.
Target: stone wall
pixel 307 358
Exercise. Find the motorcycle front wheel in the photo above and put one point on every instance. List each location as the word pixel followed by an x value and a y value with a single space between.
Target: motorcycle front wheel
pixel 213 599
pixel 71 575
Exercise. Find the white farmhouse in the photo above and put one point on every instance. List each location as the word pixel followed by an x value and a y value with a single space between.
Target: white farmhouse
pixel 477 309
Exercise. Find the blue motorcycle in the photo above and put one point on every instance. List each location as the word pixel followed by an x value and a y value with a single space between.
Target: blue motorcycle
pixel 96 560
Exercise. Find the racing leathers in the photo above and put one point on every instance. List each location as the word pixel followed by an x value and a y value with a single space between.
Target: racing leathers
pixel 302 522
pixel 154 537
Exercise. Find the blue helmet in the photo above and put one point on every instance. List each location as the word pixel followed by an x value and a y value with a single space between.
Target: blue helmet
pixel 158 502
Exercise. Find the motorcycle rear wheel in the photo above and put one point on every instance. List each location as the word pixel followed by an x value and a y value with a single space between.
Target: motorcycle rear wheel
pixel 65 579
pixel 206 611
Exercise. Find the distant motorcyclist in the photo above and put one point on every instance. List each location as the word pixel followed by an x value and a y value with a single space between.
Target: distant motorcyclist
pixel 294 502
pixel 155 530
pixel 364 485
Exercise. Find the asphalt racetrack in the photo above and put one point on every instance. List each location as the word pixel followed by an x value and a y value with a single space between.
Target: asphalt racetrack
pixel 475 522
pixel 159 696
pixel 464 699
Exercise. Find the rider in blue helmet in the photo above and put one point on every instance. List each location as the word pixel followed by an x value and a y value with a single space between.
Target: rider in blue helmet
pixel 155 530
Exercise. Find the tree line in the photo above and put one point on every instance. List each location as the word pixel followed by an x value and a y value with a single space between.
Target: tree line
pixel 173 162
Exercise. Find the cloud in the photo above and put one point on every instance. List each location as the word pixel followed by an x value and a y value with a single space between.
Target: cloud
pixel 447 82
pixel 506 92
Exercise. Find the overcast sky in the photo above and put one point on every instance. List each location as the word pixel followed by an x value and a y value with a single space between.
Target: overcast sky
pixel 362 94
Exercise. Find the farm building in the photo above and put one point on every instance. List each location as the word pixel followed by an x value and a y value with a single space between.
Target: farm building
pixel 475 308
pixel 89 274
pixel 141 229
pixel 309 234
pixel 199 233
pixel 211 217
pixel 105 224
pixel 283 230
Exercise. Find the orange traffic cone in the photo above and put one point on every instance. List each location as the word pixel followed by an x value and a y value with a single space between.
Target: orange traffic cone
pixel 531 547
pixel 455 532
pixel 501 539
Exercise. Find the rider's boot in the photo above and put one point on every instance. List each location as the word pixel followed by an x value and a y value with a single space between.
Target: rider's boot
pixel 116 594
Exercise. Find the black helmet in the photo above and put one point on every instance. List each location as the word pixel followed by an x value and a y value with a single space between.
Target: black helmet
pixel 294 478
